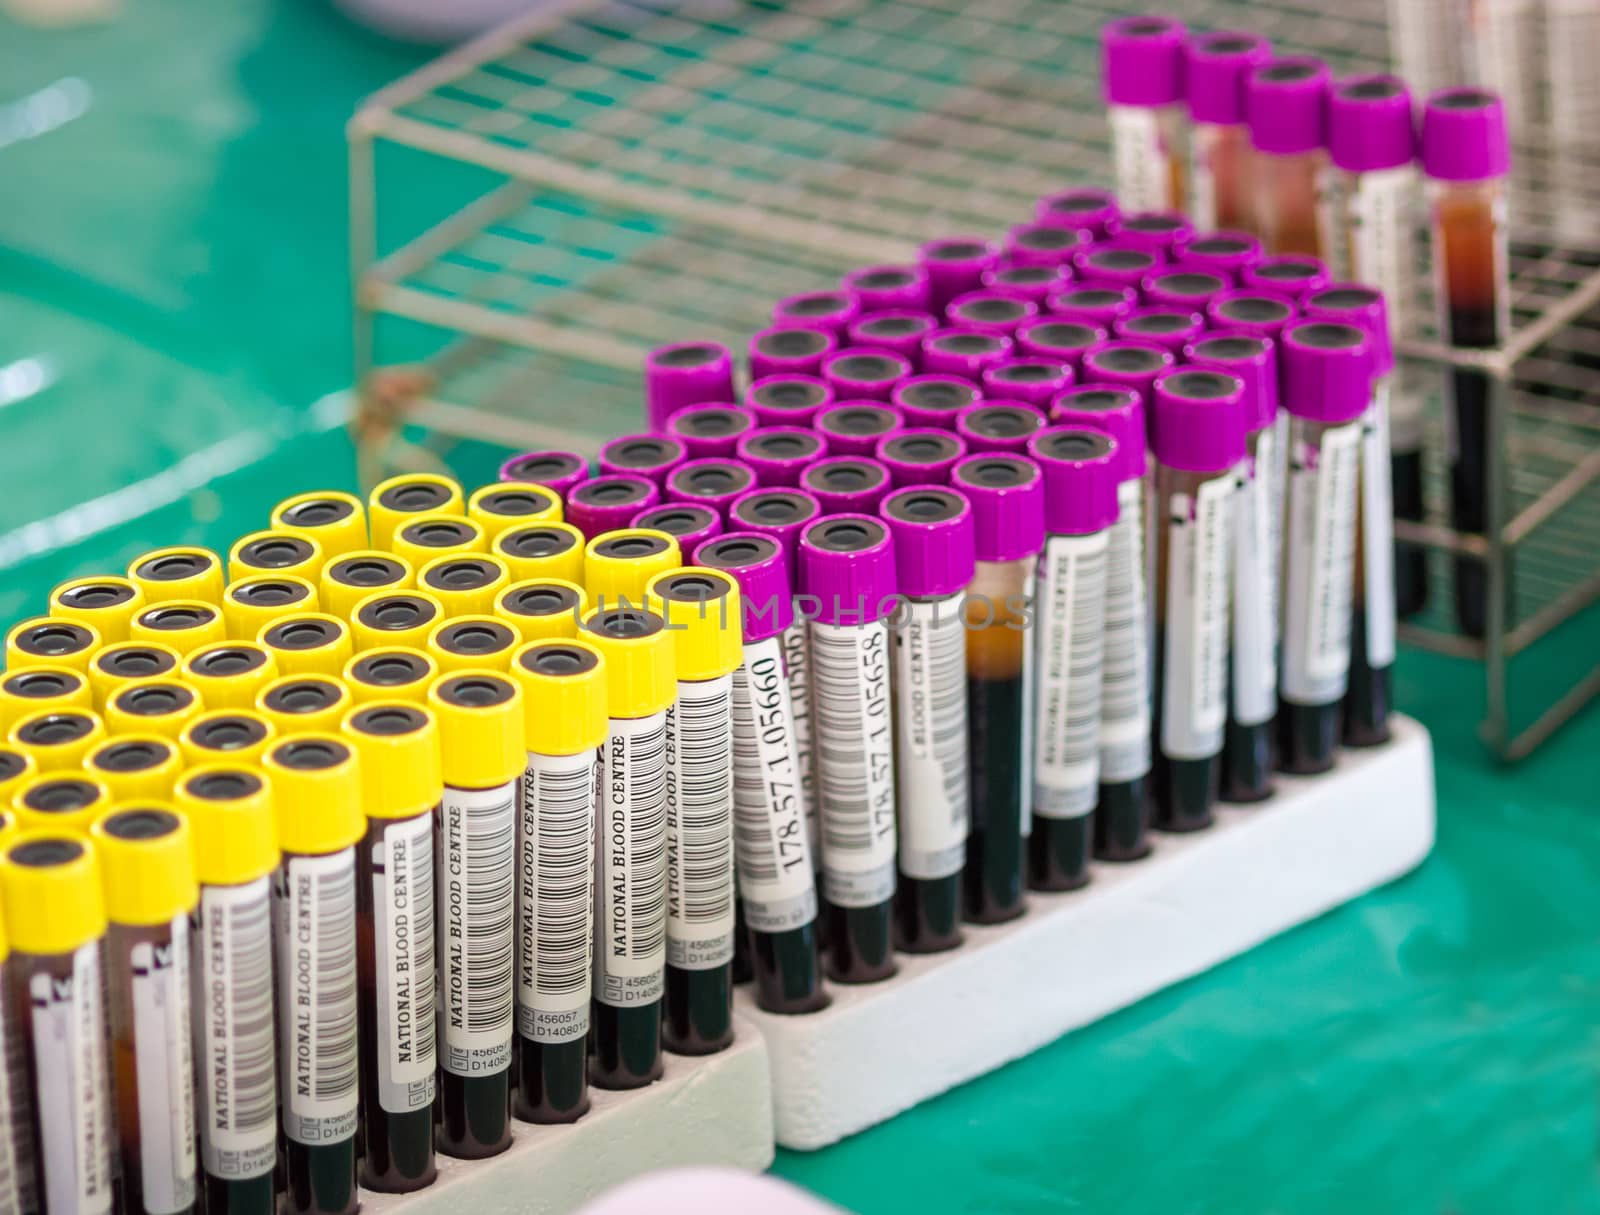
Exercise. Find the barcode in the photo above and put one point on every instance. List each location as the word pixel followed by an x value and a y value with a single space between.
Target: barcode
pixel 247 928
pixel 631 881
pixel 796 643
pixel 752 832
pixel 20 1187
pixel 930 713
pixel 702 722
pixel 564 804
pixel 491 886
pixel 1199 543
pixel 1124 673
pixel 647 855
pixel 947 682
pixel 335 1036
pixel 1072 622
pixel 425 942
pixel 1211 548
pixel 1317 616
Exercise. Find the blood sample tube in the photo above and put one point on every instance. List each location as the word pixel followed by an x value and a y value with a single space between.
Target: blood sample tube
pixel 465 584
pixel 229 674
pixel 542 609
pixel 1129 363
pixel 1114 266
pixel 316 786
pixel 252 603
pixel 708 431
pixel 394 618
pixel 68 800
pixel 136 767
pixel 304 704
pixel 888 289
pixel 147 871
pixel 1327 383
pixel 1006 494
pixel 788 350
pixel 861 373
pixel 401 790
pixel 779 513
pixel 428 536
pixel 778 454
pixel 1291 275
pixel 1198 440
pixel 1465 157
pixel 964 353
pixel 46 641
pixel 336 521
pixel 499 508
pixel 1256 312
pixel 116 666
pixel 58 739
pixel 274 552
pixel 1285 102
pixel 542 550
pixel 713 483
pixel 604 504
pixel 35 689
pixel 308 643
pixel 854 428
pixel 227 736
pixel 1048 245
pixel 1142 82
pixel 1083 207
pixel 397 501
pixel 685 522
pixel 652 456
pixel 1165 233
pixel 390 673
pixel 1187 289
pixel 1094 305
pixel 184 624
pixel 933 401
pixel 630 933
pixel 617 565
pixel 932 534
pixel 1167 327
pixel 989 311
pixel 235 832
pixel 847 567
pixel 954 266
pixel 676 377
pixel 1035 284
pixel 350 579
pixel 1034 381
pixel 178 573
pixel 897 332
pixel 999 426
pixel 558 471
pixel 107 603
pixel 1221 181
pixel 786 400
pixel 847 484
pixel 920 457
pixel 474 642
pixel 1057 338
pixel 829 311
pixel 1225 254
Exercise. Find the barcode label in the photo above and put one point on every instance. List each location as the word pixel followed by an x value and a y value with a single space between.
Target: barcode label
pixel 164 1070
pixel 855 761
pixel 1030 680
pixel 1125 670
pixel 18 1188
pixel 555 893
pixel 930 714
pixel 1377 530
pixel 1202 183
pixel 700 824
pixel 404 932
pixel 233 1030
pixel 1195 658
pixel 477 893
pixel 314 913
pixel 1382 238
pixel 1255 590
pixel 771 849
pixel 1072 598
pixel 67 1019
pixel 796 642
pixel 631 876
pixel 1321 566
pixel 1143 168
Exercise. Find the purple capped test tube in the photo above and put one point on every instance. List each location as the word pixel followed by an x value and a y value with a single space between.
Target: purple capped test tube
pixel 711 430
pixel 1142 82
pixel 688 522
pixel 830 311
pixel 603 504
pixel 965 353
pixel 789 350
pixel 955 266
pixel 847 484
pixel 888 289
pixel 1132 363
pixel 1294 275
pixel 934 400
pixel 1034 283
pixel 1168 327
pixel 788 400
pixel 1099 305
pixel 778 454
pixel 1061 339
pixel 653 456
pixel 1286 108
pixel 1263 313
pixel 557 471
pixel 1085 207
pixel 714 482
pixel 864 373
pixel 684 374
pixel 1219 64
pixel 1163 232
pixel 779 513
pixel 920 455
pixel 853 428
pixel 1040 244
pixel 1224 254
pixel 1115 266
pixel 1034 380
pixel 989 312
pixel 897 332
pixel 999 426
pixel 1183 288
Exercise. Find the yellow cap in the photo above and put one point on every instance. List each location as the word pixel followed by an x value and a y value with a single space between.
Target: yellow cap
pixel 702 611
pixel 116 666
pixel 153 706
pixel 350 579
pixel 184 624
pixel 566 679
pixel 391 618
pixel 395 502
pixel 641 675
pixel 309 643
pixel 16 766
pixel 50 883
pixel 34 689
pixel 465 643
pixel 136 766
pixel 541 608
pixel 232 822
pixel 501 506
pixel 274 552
pixel 335 520
pixel 107 602
pixel 61 801
pixel 227 736
pixel 51 641
pixel 316 784
pixel 617 565
pixel 229 674
pixel 425 537
pixel 58 739
pixel 393 672
pixel 542 550
pixel 184 572
pixel 465 582
pixel 251 604
pixel 480 728
pixel 304 704
pixel 398 743
pixel 146 862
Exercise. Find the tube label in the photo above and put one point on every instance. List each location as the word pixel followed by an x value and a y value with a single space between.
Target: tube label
pixel 1255 589
pixel 796 642
pixel 930 715
pixel 1195 659
pixel 1377 531
pixel 700 824
pixel 477 920
pixel 233 1030
pixel 403 939
pixel 855 761
pixel 1369 225
pixel 776 879
pixel 555 891
pixel 1072 599
pixel 1141 158
pixel 1125 673
pixel 164 1069
pixel 1320 546
pixel 630 891
pixel 1030 679
pixel 18 1186
pixel 314 913
pixel 67 1019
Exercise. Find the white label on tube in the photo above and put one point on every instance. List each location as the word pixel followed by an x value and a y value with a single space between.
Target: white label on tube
pixel 1030 679
pixel 776 881
pixel 477 923
pixel 631 876
pixel 1382 239
pixel 314 914
pixel 700 824
pixel 1072 599
pixel 164 1070
pixel 404 936
pixel 1125 675
pixel 555 889
pixel 234 1046
pixel 1195 659
pixel 1377 531
pixel 1320 548
pixel 18 1191
pixel 67 1016
pixel 855 760
pixel 930 715
pixel 1255 590
pixel 796 642
pixel 1144 176
pixel 1202 184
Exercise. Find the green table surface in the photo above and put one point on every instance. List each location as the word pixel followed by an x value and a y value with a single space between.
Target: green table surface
pixel 174 334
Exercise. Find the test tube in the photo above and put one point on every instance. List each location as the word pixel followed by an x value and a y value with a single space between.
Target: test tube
pixel 542 609
pixel 964 353
pixel 711 430
pixel 778 454
pixel 308 643
pixel 231 736
pixel 350 579
pixel 397 745
pixel 184 624
pixel 888 289
pixel 304 704
pixel 954 266
pixel 58 739
pixel 1059 339
pixel 473 642
pixel 920 456
pixel 147 871
pixel 1035 284
pixel 1260 313
pixel 46 641
pixel 184 572
pixel 788 350
pixel 685 522
pixel 1165 233
pixel 1112 266
pixel 465 584
pixel 713 482
pixel 499 508
pixel 107 603
pixel 1129 363
pixel 136 767
pixel 1167 327
pixel 542 550
pixel 274 552
pixel 558 471
pixel 1285 100
pixel 430 536
pixel 397 501
pixel 252 603
pixel 1034 381
pixel 1291 275
pixel 1096 305
pixel 1142 81
pixel 604 504
pixel 1221 182
pixel 999 426
pixel 1084 207
pixel 854 428
pixel 64 800
pixel 897 332
pixel 1226 254
pixel 1183 288
pixel 395 618
pixel 116 666
pixel 1047 245
pixel 785 400
pixel 847 484
pixel 316 787
pixel 991 311
pixel 617 565
pixel 336 521
pixel 676 377
pixel 35 689
pixel 229 674
pixel 933 400
pixel 829 311
pixel 780 513
pixel 652 456
pixel 861 373
pixel 391 673
pixel 847 568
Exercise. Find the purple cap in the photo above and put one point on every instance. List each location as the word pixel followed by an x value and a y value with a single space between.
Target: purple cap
pixel 847 484
pixel 1007 498
pixel 847 566
pixel 1295 275
pixel 684 374
pixel 757 563
pixel 603 504
pixel 920 456
pixel 1464 136
pixel 955 266
pixel 787 400
pixel 934 400
pixel 1183 288
pixel 1042 244
pixel 853 428
pixel 1128 362
pixel 999 426
pixel 933 540
pixel 830 311
pixel 1250 357
pixel 1263 313
pixel 558 471
pixel 1285 104
pixel 789 350
pixel 1080 468
pixel 1034 283
pixel 963 352
pixel 1327 371
pixel 1163 232
pixel 779 453
pixel 652 456
pixel 711 430
pixel 1370 124
pixel 897 332
pixel 1059 337
pixel 688 521
pixel 1035 381
pixel 1198 422
pixel 865 373
pixel 1353 304
pixel 989 312
pixel 1112 409
pixel 779 513
pixel 716 482
pixel 1114 265
pixel 1218 65
pixel 1086 207
pixel 1225 254
pixel 888 289
pixel 1141 61
pixel 1097 304
pixel 1166 327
